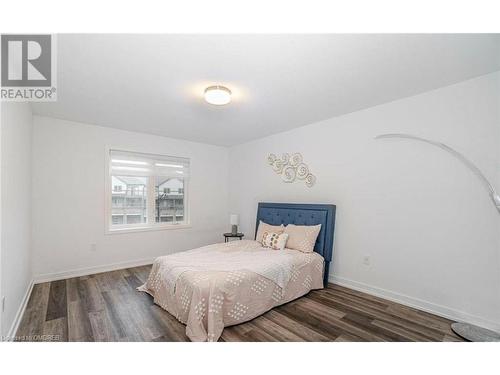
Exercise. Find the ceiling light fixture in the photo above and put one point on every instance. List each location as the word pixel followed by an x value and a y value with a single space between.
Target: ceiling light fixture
pixel 217 95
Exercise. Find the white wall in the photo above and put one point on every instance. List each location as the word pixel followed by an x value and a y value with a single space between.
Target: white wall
pixel 68 198
pixel 428 224
pixel 16 134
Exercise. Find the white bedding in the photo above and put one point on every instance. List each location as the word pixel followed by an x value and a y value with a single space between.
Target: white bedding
pixel 215 286
pixel 275 265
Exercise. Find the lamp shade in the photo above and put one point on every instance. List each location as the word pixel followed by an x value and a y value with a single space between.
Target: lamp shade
pixel 233 219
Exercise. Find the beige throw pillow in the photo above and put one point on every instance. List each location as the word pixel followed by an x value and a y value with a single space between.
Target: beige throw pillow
pixel 274 240
pixel 263 227
pixel 302 237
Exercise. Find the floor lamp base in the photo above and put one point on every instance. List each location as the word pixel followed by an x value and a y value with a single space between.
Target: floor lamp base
pixel 474 333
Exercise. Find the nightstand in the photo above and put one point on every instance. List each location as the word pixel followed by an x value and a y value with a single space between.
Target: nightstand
pixel 227 236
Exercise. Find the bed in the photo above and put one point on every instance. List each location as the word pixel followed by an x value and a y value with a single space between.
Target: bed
pixel 224 284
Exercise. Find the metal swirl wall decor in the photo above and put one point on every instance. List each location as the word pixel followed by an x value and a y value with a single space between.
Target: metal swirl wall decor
pixel 291 168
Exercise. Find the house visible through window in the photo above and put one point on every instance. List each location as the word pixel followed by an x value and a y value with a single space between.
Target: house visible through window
pixel 169 199
pixel 147 190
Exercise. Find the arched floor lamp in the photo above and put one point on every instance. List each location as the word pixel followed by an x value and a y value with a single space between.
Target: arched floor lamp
pixel 468 331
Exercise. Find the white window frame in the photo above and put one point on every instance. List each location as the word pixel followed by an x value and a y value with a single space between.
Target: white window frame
pixel 151 224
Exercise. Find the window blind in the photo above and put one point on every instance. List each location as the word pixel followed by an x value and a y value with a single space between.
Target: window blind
pixel 127 163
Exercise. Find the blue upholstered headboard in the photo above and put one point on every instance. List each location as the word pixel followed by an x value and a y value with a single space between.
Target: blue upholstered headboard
pixel 303 214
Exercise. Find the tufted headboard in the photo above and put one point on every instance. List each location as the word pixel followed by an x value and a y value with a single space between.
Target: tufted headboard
pixel 303 214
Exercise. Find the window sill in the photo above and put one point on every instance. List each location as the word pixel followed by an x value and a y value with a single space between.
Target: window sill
pixel 147 229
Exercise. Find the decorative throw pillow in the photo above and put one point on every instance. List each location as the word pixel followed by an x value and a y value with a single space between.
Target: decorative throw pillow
pixel 264 227
pixel 302 237
pixel 276 241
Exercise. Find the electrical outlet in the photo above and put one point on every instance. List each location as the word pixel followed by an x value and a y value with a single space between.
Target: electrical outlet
pixel 93 247
pixel 3 304
pixel 366 260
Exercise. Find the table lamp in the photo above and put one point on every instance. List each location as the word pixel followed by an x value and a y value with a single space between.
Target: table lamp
pixel 234 223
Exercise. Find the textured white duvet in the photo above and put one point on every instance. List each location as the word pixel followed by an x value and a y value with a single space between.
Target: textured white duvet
pixel 275 265
pixel 216 286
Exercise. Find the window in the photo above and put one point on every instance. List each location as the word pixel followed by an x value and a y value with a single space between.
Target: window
pixel 146 191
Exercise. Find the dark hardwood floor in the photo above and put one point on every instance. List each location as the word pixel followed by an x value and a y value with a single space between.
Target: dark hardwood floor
pixel 106 307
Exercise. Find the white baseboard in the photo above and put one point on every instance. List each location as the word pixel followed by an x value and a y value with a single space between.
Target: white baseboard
pixel 20 313
pixel 48 277
pixel 416 303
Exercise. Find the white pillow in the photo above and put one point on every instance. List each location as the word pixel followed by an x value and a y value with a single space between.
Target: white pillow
pixel 264 227
pixel 302 237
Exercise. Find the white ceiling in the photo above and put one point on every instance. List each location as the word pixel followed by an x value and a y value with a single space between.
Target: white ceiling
pixel 154 83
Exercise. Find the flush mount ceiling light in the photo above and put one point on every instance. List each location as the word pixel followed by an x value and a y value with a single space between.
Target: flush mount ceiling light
pixel 217 95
